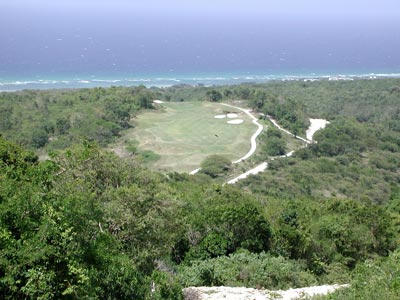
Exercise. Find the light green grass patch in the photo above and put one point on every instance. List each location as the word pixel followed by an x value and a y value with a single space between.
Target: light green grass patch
pixel 185 133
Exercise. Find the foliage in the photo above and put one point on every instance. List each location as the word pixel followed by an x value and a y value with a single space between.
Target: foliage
pixel 64 228
pixel 215 165
pixel 228 230
pixel 350 159
pixel 87 225
pixel 58 118
pixel 165 286
pixel 329 232
pixel 374 279
pixel 214 95
pixel 247 269
pixel 272 142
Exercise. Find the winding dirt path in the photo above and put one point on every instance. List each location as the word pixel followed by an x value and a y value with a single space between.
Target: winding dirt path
pixel 273 121
pixel 316 124
pixel 253 137
pixel 260 168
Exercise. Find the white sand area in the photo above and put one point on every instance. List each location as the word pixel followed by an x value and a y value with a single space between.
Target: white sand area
pixel 241 293
pixel 158 101
pixel 316 124
pixel 232 115
pixel 235 121
pixel 220 116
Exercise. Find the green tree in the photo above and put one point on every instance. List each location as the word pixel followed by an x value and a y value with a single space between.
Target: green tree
pixel 214 95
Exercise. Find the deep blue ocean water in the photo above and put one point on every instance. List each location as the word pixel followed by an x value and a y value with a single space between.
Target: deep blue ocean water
pixel 69 51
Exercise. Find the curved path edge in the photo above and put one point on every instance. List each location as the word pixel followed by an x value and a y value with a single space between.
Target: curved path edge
pixel 253 138
pixel 316 124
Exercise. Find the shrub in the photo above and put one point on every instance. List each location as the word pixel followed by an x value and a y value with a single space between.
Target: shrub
pixel 215 165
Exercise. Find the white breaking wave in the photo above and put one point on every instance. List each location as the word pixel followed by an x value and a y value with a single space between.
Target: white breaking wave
pixel 166 82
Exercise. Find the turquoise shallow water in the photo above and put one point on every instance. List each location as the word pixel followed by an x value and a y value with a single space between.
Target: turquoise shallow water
pixel 41 50
pixel 157 80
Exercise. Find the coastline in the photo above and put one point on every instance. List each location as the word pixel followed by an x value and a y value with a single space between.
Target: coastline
pixel 10 85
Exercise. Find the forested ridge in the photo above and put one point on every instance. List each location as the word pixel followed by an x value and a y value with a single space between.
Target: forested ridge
pixel 56 119
pixel 85 224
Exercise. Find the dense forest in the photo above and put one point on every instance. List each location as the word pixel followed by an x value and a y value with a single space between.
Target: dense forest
pixel 86 224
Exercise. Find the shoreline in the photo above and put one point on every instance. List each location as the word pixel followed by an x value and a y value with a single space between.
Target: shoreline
pixel 11 85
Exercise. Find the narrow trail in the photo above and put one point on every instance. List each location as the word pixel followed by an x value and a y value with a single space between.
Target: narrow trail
pixel 253 137
pixel 316 124
pixel 260 168
pixel 273 121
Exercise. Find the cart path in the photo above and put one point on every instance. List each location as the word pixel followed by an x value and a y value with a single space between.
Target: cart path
pixel 316 124
pixel 253 138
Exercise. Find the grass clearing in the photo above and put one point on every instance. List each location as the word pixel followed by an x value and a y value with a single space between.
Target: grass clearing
pixel 183 134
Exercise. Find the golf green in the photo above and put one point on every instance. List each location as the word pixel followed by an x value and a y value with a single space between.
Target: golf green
pixel 185 133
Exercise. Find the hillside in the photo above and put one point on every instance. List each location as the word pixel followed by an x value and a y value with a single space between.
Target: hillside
pixel 86 224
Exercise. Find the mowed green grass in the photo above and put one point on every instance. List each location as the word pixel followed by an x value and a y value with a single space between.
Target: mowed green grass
pixel 185 133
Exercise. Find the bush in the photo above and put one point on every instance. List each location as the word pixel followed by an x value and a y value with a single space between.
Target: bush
pixel 215 166
pixel 247 269
pixel 164 286
pixel 374 280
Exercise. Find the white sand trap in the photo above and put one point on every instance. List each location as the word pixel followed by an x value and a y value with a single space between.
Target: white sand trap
pixel 316 124
pixel 158 101
pixel 235 122
pixel 232 115
pixel 220 116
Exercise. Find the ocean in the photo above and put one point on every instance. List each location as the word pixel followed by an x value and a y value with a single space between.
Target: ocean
pixel 41 51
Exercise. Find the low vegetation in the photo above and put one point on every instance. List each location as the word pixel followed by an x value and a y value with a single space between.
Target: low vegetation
pixel 86 224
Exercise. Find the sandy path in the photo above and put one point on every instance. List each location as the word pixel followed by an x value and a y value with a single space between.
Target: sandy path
pixel 194 171
pixel 316 124
pixel 253 137
pixel 254 171
pixel 240 293
pixel 273 121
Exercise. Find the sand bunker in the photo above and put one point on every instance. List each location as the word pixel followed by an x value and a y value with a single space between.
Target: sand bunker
pixel 158 101
pixel 220 116
pixel 235 122
pixel 316 124
pixel 232 115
